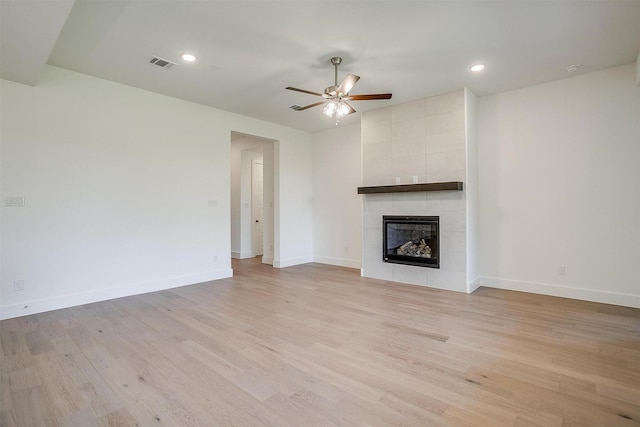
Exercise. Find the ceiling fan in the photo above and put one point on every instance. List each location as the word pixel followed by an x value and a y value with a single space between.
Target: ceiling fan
pixel 336 96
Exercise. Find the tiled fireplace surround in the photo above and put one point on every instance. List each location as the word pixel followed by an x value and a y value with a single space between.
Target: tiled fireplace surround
pixel 421 141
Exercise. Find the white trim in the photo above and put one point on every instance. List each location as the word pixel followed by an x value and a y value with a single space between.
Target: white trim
pixel 267 260
pixel 474 284
pixel 242 255
pixel 626 300
pixel 292 261
pixel 338 261
pixel 72 300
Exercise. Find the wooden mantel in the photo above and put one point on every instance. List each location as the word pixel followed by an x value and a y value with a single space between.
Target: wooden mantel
pixel 412 188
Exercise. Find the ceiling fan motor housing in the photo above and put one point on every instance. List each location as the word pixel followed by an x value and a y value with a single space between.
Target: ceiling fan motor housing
pixel 331 91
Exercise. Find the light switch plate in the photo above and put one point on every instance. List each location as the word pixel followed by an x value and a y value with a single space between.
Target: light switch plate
pixel 14 201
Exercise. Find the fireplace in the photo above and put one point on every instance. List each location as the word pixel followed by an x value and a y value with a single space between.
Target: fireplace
pixel 411 240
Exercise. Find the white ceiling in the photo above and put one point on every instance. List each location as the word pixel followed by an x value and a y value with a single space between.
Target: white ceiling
pixel 249 51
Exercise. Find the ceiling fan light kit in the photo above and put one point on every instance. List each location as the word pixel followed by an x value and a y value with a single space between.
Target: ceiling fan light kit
pixel 337 108
pixel 337 95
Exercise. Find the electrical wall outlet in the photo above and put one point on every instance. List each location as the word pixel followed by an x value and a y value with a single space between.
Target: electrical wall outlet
pixel 18 285
pixel 562 270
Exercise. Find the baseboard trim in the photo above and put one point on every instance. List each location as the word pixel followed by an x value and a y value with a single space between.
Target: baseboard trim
pixel 65 301
pixel 338 261
pixel 626 300
pixel 474 284
pixel 282 263
pixel 241 255
pixel 267 260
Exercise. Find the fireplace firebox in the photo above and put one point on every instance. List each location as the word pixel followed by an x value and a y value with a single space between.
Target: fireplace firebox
pixel 411 240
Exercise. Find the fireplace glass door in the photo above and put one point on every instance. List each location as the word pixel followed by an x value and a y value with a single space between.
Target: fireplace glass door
pixel 412 240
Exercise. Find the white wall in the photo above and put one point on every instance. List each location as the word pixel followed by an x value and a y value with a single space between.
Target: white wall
pixel 337 208
pixel 559 172
pixel 119 184
pixel 293 204
pixel 472 190
pixel 267 232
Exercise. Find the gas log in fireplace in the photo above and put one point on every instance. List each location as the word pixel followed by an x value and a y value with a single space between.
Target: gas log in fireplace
pixel 412 240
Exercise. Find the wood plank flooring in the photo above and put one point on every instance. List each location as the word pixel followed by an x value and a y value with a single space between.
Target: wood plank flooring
pixel 316 345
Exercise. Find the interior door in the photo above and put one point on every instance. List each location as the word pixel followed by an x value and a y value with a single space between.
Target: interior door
pixel 257 206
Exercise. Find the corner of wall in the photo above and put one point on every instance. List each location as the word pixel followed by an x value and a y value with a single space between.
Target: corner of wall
pixel 471 187
pixel 290 262
pixel 638 70
pixel 474 284
pixel 340 262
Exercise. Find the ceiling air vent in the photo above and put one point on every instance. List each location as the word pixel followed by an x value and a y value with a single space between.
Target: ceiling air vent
pixel 162 63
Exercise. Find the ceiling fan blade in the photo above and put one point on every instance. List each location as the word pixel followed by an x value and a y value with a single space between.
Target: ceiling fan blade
pixel 369 97
pixel 299 108
pixel 303 91
pixel 351 109
pixel 348 83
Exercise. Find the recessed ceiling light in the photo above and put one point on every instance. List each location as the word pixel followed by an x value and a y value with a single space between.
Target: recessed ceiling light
pixel 477 67
pixel 188 57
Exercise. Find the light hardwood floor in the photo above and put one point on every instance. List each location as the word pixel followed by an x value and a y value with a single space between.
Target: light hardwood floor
pixel 316 345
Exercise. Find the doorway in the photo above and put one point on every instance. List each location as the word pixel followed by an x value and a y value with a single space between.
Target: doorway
pixel 252 197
